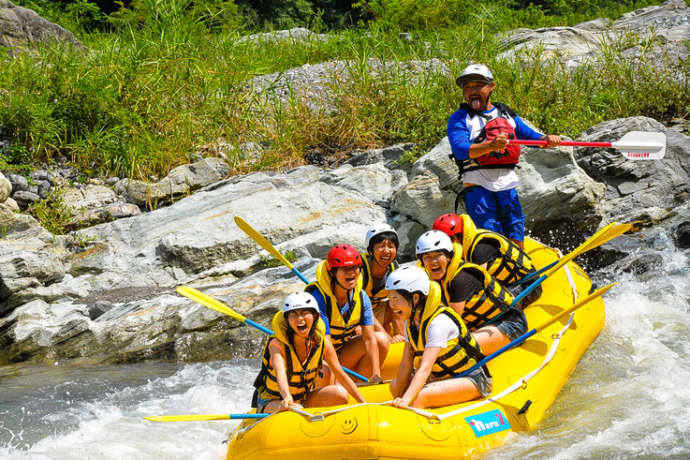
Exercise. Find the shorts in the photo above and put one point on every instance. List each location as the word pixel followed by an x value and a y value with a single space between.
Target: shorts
pixel 500 212
pixel 512 323
pixel 481 381
pixel 262 403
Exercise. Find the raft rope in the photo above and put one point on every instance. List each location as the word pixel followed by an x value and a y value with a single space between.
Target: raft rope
pixel 522 382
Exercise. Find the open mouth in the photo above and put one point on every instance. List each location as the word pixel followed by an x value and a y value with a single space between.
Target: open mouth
pixel 476 102
pixel 302 328
pixel 436 272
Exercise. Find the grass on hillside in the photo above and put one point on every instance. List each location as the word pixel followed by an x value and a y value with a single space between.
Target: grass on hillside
pixel 143 100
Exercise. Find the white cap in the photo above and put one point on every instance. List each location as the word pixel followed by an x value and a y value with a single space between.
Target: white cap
pixel 433 240
pixel 377 230
pixel 299 300
pixel 474 72
pixel 410 279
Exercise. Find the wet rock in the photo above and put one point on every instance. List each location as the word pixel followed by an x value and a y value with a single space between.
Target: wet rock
pixel 682 235
pixel 650 191
pixel 644 263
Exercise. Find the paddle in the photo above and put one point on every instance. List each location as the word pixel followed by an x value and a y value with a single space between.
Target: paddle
pixel 202 417
pixel 636 145
pixel 602 235
pixel 612 233
pixel 264 243
pixel 538 328
pixel 219 306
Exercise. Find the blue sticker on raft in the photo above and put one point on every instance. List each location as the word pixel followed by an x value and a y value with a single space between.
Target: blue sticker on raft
pixel 488 423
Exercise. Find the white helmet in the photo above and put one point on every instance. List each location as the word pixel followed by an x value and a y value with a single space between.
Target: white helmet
pixel 410 279
pixel 433 240
pixel 299 300
pixel 377 230
pixel 475 72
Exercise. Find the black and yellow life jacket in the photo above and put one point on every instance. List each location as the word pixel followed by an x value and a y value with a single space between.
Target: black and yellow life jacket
pixel 301 377
pixel 511 265
pixel 380 293
pixel 342 329
pixel 485 304
pixel 459 354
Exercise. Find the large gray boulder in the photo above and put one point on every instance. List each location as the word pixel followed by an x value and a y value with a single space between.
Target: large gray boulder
pixel 20 27
pixel 646 190
pixel 554 190
pixel 655 34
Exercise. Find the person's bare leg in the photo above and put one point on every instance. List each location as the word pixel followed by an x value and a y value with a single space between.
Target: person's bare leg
pixel 445 392
pixel 490 339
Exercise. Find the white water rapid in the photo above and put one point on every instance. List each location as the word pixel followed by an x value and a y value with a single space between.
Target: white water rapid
pixel 628 398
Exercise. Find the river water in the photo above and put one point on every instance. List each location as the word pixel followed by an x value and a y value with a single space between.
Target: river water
pixel 628 398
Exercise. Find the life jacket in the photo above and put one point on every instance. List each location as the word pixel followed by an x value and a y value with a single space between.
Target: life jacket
pixel 511 265
pixel 301 377
pixel 342 329
pixel 503 124
pixel 485 304
pixel 380 293
pixel 459 354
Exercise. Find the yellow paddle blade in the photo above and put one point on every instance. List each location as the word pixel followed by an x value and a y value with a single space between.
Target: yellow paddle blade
pixel 582 302
pixel 262 241
pixel 209 302
pixel 599 236
pixel 612 233
pixel 188 418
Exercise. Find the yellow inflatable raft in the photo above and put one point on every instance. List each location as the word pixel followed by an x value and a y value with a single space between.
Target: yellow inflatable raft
pixel 526 381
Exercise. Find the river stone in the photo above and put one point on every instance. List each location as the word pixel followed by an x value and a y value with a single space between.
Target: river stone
pixel 11 204
pixel 667 24
pixel 392 157
pixel 682 235
pixel 24 199
pixel 87 198
pixel 650 191
pixel 295 35
pixel 180 182
pixel 376 182
pixel 5 188
pixel 19 182
pixel 21 26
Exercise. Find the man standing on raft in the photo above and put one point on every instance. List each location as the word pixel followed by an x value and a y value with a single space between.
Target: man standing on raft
pixel 479 134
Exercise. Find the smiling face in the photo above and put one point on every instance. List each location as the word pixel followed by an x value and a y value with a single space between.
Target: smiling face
pixel 436 263
pixel 301 321
pixel 346 277
pixel 399 306
pixel 477 93
pixel 384 252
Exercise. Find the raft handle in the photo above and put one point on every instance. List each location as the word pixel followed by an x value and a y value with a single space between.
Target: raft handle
pixel 525 406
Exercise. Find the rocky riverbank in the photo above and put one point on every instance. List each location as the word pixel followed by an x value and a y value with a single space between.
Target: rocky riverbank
pixel 105 293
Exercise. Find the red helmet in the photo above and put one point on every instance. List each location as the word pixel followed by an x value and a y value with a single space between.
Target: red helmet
pixel 450 224
pixel 343 255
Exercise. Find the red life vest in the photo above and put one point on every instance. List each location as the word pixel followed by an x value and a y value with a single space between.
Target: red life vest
pixel 499 125
pixel 510 155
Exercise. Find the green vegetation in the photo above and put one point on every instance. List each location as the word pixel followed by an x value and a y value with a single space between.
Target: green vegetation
pixel 270 261
pixel 163 79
